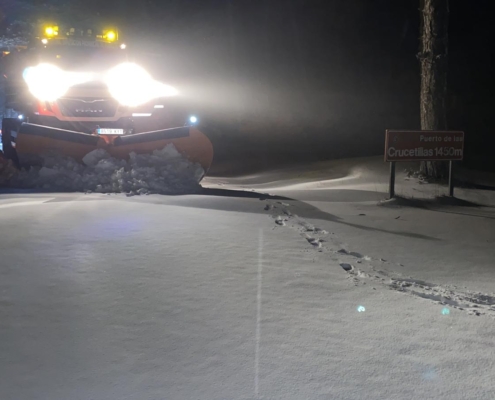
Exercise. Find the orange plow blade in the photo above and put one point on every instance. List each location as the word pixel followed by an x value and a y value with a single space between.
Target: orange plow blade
pixel 33 141
pixel 188 141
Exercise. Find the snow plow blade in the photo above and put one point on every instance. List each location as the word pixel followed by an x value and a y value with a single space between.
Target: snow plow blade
pixel 33 141
pixel 189 141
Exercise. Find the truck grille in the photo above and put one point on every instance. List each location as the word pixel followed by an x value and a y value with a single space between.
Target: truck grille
pixel 87 107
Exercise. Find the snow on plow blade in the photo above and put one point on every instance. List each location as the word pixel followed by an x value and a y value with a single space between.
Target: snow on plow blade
pixel 33 141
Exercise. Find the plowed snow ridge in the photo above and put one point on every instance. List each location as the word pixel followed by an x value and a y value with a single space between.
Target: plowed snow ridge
pixel 165 171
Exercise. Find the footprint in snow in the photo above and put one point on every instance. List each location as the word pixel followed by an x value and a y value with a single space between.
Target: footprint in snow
pixel 311 228
pixel 350 253
pixel 346 267
pixel 279 221
pixel 314 241
pixel 475 303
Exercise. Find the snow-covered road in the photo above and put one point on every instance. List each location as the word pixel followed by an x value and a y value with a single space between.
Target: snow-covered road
pixel 307 294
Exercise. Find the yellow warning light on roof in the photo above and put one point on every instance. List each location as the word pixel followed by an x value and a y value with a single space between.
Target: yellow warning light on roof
pixel 111 36
pixel 51 31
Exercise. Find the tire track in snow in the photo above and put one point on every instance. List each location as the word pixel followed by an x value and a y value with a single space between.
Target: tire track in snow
pixel 362 270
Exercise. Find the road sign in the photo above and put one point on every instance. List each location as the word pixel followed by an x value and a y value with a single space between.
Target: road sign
pixel 423 145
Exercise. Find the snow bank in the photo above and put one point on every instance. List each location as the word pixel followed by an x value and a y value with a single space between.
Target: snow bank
pixel 164 171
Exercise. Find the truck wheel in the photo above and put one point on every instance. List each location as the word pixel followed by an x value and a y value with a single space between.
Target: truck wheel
pixel 9 125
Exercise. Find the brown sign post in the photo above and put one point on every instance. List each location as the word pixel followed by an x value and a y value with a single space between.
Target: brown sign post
pixel 423 146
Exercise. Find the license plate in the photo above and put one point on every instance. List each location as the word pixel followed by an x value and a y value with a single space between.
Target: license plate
pixel 102 131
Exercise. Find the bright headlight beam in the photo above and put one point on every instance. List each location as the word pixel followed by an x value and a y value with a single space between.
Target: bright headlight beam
pixel 132 86
pixel 128 83
pixel 47 82
pixel 163 90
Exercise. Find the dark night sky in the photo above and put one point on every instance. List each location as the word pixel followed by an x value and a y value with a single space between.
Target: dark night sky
pixel 332 71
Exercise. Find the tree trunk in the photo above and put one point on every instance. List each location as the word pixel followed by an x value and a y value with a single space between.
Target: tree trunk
pixel 433 59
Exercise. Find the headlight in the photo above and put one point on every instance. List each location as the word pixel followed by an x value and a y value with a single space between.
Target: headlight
pixel 47 82
pixel 132 86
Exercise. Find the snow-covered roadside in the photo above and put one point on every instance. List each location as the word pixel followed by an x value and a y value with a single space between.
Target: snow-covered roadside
pixel 437 248
pixel 165 172
pixel 368 174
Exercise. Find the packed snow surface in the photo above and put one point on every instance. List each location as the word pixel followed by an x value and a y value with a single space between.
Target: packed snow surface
pixel 288 285
pixel 164 171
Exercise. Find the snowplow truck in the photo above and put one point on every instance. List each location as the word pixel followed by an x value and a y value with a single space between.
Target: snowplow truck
pixel 72 90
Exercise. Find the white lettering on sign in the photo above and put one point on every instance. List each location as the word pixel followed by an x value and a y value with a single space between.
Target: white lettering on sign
pixel 440 139
pixel 423 138
pixel 416 152
pixel 423 145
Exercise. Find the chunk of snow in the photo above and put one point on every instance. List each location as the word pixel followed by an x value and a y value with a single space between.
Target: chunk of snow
pixel 94 157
